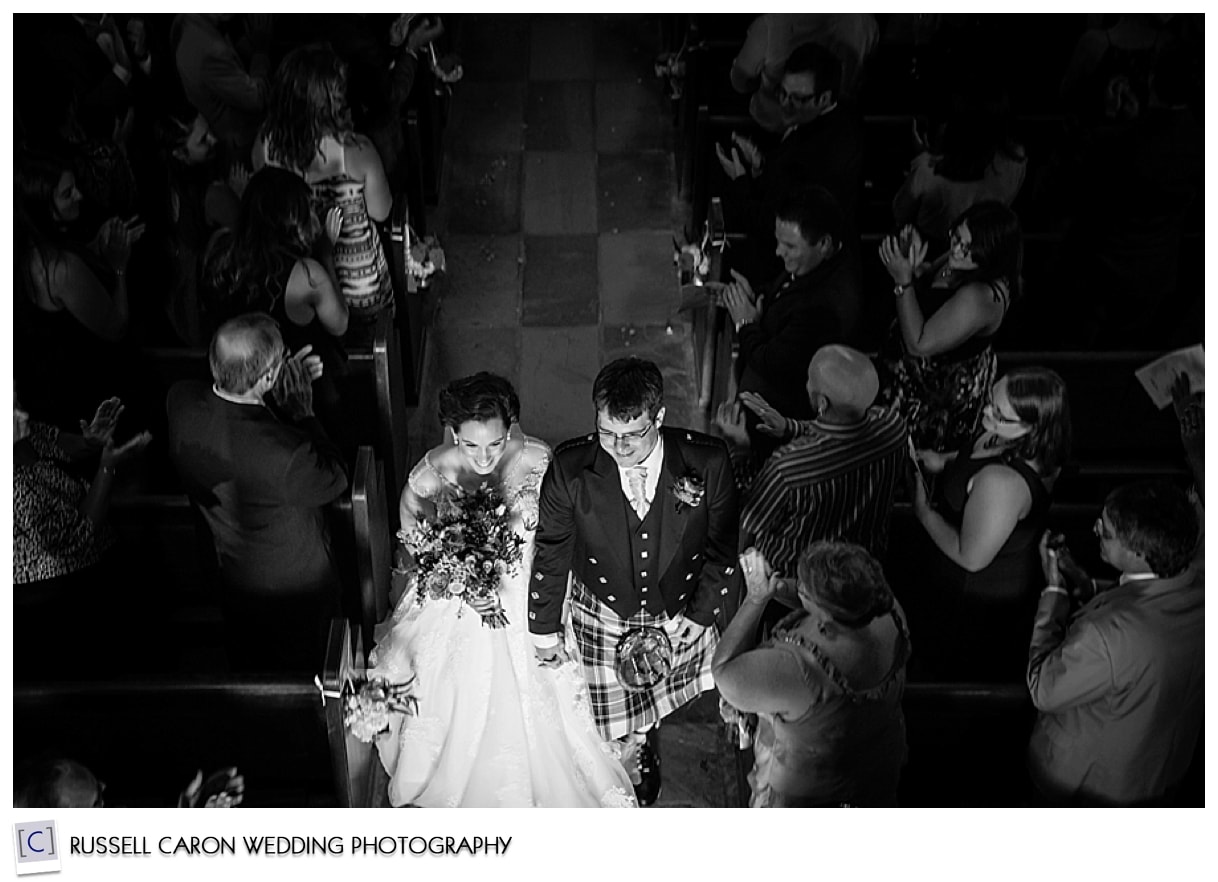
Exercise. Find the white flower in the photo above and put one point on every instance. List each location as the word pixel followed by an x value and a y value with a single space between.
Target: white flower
pixel 456 588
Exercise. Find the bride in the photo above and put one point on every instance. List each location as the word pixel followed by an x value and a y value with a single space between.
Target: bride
pixel 493 728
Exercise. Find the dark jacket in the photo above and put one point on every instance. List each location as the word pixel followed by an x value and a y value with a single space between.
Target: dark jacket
pixel 584 530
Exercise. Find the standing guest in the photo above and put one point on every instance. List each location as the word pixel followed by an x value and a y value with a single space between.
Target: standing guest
pixel 260 483
pixel 969 156
pixel 759 66
pixel 231 96
pixel 814 302
pixel 837 478
pixel 643 525
pixel 826 685
pixel 990 505
pixel 308 131
pixel 822 145
pixel 938 360
pixel 63 547
pixel 1120 682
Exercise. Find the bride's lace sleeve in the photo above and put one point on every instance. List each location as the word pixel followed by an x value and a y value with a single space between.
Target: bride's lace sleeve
pixel 534 460
pixel 419 495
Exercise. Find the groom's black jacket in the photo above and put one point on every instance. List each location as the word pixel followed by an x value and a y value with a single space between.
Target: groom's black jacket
pixel 584 530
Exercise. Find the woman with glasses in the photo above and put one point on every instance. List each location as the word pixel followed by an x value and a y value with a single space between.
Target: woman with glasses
pixel 977 582
pixel 938 360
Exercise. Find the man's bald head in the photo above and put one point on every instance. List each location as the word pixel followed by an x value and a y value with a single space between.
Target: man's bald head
pixel 243 350
pixel 846 378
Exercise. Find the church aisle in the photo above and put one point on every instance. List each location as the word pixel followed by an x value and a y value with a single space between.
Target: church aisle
pixel 557 213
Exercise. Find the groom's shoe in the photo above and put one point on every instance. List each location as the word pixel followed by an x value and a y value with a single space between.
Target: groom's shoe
pixel 647 791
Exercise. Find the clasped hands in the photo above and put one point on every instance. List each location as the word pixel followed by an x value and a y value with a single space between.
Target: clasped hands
pixel 293 390
pixel 745 157
pixel 760 580
pixel 738 299
pixel 903 255
pixel 1056 561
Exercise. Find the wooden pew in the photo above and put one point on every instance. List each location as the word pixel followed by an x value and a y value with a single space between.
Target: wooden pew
pixel 368 543
pixel 146 734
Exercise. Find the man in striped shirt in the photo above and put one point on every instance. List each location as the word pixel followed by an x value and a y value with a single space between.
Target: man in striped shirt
pixel 837 478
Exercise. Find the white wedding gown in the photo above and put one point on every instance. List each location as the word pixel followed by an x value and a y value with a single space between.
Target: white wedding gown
pixel 493 727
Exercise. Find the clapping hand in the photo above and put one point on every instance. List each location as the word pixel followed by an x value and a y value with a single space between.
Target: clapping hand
pixel 334 224
pixel 225 788
pixel 729 420
pixel 902 261
pixel 114 456
pixel 100 431
pixel 115 239
pixel 770 421
pixel 740 301
pixel 760 582
pixel 293 390
pixel 733 165
pixel 238 178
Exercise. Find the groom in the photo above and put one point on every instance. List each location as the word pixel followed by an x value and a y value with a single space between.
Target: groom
pixel 644 520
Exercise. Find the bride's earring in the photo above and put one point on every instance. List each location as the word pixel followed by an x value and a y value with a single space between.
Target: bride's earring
pixel 454 434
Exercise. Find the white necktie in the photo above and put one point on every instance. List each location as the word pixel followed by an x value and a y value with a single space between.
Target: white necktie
pixel 636 477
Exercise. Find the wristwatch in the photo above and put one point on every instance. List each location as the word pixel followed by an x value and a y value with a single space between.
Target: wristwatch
pixel 898 290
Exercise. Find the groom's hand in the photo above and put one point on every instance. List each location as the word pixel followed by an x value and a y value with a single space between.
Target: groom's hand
pixel 684 631
pixel 551 655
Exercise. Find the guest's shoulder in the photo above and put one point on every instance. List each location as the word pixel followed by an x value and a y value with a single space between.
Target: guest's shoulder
pixel 189 393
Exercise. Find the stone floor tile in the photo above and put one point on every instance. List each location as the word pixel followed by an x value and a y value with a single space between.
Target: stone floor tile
pixel 489 118
pixel 671 348
pixel 559 194
pixel 482 284
pixel 636 191
pixel 632 115
pixel 562 48
pixel 473 350
pixel 626 47
pixel 557 367
pixel 483 194
pixel 558 116
pixel 638 281
pixel 559 281
pixel 494 48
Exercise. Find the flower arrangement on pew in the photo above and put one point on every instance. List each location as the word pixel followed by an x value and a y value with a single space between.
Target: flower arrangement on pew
pixel 464 552
pixel 368 704
pixel 424 258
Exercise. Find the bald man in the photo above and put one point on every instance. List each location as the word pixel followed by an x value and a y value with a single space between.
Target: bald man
pixel 836 477
pixel 260 482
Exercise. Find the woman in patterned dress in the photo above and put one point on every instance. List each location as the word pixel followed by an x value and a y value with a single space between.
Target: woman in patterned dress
pixel 938 364
pixel 308 131
pixel 493 727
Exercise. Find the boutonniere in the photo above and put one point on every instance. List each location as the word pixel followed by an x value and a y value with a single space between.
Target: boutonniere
pixel 689 489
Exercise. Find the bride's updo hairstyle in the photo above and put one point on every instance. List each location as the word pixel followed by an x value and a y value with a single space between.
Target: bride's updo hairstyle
pixel 846 582
pixel 479 398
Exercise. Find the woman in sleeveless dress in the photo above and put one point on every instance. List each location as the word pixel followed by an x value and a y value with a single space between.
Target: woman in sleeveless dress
pixel 938 363
pixel 493 727
pixel 827 684
pixel 308 132
pixel 264 264
pixel 976 595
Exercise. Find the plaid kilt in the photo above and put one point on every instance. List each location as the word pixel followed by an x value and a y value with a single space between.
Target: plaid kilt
pixel 595 630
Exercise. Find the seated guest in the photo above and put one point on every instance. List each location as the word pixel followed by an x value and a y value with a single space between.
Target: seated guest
pixel 837 479
pixel 54 781
pixel 260 483
pixel 813 302
pixel 969 156
pixel 976 587
pixel 63 548
pixel 1120 682
pixel 826 685
pixel 822 145
pixel 308 131
pixel 758 67
pixel 938 363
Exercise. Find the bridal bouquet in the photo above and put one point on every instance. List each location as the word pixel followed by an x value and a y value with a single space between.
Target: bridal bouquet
pixel 465 551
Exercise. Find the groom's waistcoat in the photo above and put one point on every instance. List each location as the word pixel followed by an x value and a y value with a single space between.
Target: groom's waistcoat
pixel 679 559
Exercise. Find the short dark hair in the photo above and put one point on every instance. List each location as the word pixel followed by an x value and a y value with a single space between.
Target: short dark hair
pixel 846 582
pixel 1156 520
pixel 480 398
pixel 627 387
pixel 1040 400
pixel 997 243
pixel 242 350
pixel 814 210
pixel 825 67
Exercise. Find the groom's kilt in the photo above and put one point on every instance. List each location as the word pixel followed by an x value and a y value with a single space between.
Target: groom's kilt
pixel 596 630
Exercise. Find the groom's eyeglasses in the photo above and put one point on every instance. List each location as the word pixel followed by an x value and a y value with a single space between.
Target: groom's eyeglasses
pixel 625 437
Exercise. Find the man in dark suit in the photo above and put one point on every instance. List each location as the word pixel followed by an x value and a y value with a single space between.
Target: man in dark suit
pixel 260 482
pixel 643 518
pixel 814 302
